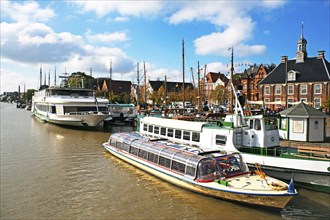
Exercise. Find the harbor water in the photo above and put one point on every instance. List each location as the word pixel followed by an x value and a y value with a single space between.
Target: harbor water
pixel 54 172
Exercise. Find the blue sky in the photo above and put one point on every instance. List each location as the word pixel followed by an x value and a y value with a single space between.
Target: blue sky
pixel 79 35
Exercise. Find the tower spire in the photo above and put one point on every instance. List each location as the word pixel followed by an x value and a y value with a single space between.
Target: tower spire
pixel 302 30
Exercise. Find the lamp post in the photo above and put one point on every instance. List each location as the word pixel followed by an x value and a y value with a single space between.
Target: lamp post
pixel 285 58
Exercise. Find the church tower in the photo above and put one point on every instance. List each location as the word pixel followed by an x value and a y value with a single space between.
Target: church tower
pixel 302 50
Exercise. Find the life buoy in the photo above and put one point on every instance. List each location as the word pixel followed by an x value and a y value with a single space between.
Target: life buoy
pixel 278 186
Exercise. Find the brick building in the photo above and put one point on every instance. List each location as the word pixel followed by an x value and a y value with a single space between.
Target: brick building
pixel 294 80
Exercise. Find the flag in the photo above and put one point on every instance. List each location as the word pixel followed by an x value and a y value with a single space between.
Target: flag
pixel 291 186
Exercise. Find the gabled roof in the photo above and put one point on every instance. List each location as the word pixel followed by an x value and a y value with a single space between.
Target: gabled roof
pixel 311 70
pixel 212 77
pixel 171 86
pixel 302 110
pixel 117 86
pixel 253 70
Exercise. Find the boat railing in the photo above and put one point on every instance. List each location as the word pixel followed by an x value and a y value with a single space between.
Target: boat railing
pixel 88 113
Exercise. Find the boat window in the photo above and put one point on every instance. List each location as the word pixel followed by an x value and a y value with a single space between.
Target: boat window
pixel 125 147
pixel 229 165
pixel 206 170
pixel 150 129
pixel 195 136
pixel 53 110
pixel 156 130
pixel 251 124
pixel 153 157
pixel 143 154
pixel 170 132
pixel 271 124
pixel 134 150
pixel 190 171
pixel 186 135
pixel 164 162
pixel 145 127
pixel 257 124
pixel 178 134
pixel 180 167
pixel 220 139
pixel 163 131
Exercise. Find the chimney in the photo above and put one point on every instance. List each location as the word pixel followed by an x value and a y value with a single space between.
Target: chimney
pixel 320 54
pixel 284 59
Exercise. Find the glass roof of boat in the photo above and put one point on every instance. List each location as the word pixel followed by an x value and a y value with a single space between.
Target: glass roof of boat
pixel 159 148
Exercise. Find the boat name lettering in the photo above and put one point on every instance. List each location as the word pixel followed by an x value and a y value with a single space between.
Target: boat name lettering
pixel 268 198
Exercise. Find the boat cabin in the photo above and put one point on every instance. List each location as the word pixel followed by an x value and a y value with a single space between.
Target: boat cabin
pixel 179 159
pixel 258 131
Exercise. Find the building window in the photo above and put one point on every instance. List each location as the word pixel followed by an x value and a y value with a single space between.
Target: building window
pixel 317 103
pixel 290 102
pixel 303 89
pixel 278 100
pixel 317 88
pixel 290 89
pixel 266 102
pixel 278 89
pixel 291 76
pixel 267 91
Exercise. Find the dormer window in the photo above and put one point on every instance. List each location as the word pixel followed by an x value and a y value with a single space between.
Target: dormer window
pixel 292 75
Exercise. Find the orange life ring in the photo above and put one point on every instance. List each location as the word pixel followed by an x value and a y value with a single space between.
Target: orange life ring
pixel 278 186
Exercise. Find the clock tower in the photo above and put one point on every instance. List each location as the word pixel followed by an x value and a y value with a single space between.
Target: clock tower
pixel 302 50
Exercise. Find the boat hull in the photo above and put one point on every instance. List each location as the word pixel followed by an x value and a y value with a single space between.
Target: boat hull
pixel 313 174
pixel 89 120
pixel 275 199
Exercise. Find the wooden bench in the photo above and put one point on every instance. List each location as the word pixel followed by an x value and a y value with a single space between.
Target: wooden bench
pixel 319 152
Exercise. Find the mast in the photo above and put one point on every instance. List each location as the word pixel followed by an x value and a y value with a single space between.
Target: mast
pixel 165 88
pixel 231 94
pixel 183 93
pixel 138 87
pixel 110 75
pixel 145 83
pixel 199 88
pixel 40 77
pixel 55 77
pixel 49 78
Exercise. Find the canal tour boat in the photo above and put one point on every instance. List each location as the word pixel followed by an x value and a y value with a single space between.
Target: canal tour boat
pixel 257 139
pixel 218 174
pixel 69 106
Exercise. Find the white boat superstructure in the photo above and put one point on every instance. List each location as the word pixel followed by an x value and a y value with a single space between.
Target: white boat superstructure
pixel 218 174
pixel 69 106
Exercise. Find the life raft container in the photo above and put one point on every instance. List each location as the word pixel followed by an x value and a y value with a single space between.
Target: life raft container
pixel 278 186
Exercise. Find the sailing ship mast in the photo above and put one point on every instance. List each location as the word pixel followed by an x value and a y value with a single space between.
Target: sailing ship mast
pixel 183 93
pixel 231 94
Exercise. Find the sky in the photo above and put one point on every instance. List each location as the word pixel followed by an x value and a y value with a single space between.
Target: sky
pixel 80 36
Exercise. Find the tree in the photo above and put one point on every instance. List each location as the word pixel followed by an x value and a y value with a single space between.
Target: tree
pixel 219 95
pixel 29 94
pixel 80 79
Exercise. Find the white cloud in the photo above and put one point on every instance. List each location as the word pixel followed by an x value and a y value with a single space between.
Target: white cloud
pixel 27 11
pixel 125 8
pixel 107 37
pixel 234 25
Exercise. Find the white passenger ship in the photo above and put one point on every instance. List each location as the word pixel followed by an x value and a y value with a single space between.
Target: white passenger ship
pixel 257 141
pixel 217 174
pixel 69 106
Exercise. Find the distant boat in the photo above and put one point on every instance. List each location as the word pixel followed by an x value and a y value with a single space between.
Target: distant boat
pixel 121 113
pixel 69 106
pixel 218 174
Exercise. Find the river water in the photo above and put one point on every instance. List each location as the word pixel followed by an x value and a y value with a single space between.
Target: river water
pixel 53 172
